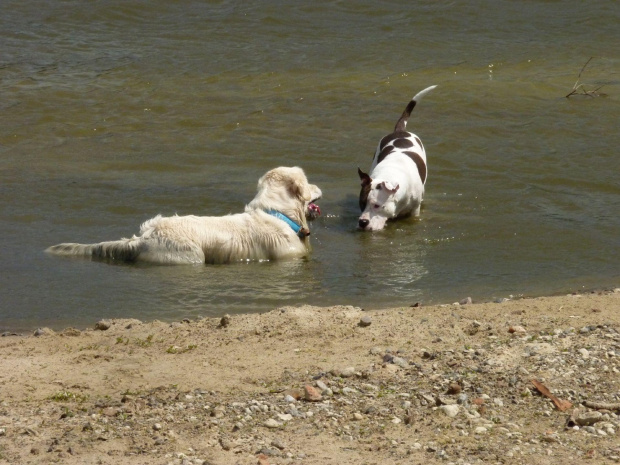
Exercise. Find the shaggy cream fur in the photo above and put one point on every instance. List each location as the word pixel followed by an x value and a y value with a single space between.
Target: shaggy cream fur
pixel 252 235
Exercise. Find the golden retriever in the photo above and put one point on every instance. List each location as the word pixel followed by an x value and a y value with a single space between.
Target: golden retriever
pixel 274 226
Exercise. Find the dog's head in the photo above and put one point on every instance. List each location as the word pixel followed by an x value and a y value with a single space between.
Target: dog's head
pixel 287 190
pixel 377 202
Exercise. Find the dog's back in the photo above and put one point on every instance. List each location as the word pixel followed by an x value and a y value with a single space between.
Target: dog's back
pixel 395 185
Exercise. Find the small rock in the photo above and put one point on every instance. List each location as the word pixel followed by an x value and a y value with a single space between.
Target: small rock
pixel 466 301
pixel 454 389
pixel 480 430
pixel 321 385
pixel 311 394
pixel 585 354
pixel 225 321
pixel 43 332
pixel 517 329
pixel 358 416
pixel 103 325
pixel 365 321
pixel 345 372
pixel 278 444
pixel 271 423
pixel 450 410
pixel 157 427
pixel 290 399
pixel 588 418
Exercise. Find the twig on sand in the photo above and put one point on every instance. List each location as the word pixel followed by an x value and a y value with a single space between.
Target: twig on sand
pixel 579 89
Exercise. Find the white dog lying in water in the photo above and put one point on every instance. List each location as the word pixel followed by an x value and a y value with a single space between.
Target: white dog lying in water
pixel 273 226
pixel 395 186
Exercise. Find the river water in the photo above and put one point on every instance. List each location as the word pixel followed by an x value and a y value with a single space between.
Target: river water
pixel 114 111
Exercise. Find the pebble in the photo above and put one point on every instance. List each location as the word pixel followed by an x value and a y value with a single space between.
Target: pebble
pixel 585 354
pixel 480 430
pixel 358 416
pixel 401 362
pixel 290 399
pixel 345 372
pixel 365 321
pixel 311 394
pixel 450 410
pixel 103 325
pixel 271 423
pixel 225 321
pixel 278 444
pixel 588 418
pixel 157 426
pixel 321 385
pixel 466 301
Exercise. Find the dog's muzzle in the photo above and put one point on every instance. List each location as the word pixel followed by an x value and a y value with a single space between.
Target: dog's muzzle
pixel 313 212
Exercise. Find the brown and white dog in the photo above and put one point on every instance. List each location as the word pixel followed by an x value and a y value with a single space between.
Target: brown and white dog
pixel 273 226
pixel 395 186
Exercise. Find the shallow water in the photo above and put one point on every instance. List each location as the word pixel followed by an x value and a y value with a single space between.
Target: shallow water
pixel 112 113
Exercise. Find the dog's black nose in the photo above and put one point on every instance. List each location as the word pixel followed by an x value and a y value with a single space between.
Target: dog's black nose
pixel 363 223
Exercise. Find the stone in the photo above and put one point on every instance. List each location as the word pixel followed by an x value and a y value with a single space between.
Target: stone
pixel 103 325
pixel 311 394
pixel 585 354
pixel 365 321
pixel 588 418
pixel 43 332
pixel 225 321
pixel 321 385
pixel 453 389
pixel 517 329
pixel 345 372
pixel 272 424
pixel 466 301
pixel 450 411
pixel 401 362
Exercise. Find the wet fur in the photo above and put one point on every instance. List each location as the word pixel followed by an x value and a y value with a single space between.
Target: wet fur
pixel 251 235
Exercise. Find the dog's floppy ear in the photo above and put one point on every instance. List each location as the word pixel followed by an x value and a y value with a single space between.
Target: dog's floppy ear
pixel 390 187
pixel 298 187
pixel 364 177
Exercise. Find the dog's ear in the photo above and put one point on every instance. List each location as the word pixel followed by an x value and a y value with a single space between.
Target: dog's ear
pixel 390 187
pixel 299 188
pixel 364 177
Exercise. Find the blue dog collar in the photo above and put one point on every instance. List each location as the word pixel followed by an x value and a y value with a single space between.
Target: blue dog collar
pixel 294 226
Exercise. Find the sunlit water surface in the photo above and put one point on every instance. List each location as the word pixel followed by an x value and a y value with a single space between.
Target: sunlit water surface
pixel 113 112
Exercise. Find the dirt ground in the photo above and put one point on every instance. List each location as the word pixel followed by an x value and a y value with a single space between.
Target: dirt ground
pixel 305 385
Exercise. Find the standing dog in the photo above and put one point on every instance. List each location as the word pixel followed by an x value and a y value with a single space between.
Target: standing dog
pixel 395 186
pixel 273 226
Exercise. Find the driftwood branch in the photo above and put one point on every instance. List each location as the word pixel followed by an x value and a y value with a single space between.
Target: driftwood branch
pixel 579 89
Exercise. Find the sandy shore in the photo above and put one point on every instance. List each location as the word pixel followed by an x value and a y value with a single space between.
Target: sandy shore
pixel 307 385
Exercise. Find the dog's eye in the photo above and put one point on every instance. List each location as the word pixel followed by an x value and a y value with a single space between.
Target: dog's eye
pixel 378 187
pixel 376 205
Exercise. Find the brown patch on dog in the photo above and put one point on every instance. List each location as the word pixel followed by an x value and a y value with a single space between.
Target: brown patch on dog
pixel 403 143
pixel 390 137
pixel 384 153
pixel 365 190
pixel 419 162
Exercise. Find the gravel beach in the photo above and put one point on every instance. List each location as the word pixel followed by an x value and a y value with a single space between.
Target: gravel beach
pixel 531 381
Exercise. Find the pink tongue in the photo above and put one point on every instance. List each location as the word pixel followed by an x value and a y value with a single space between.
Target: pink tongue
pixel 314 208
